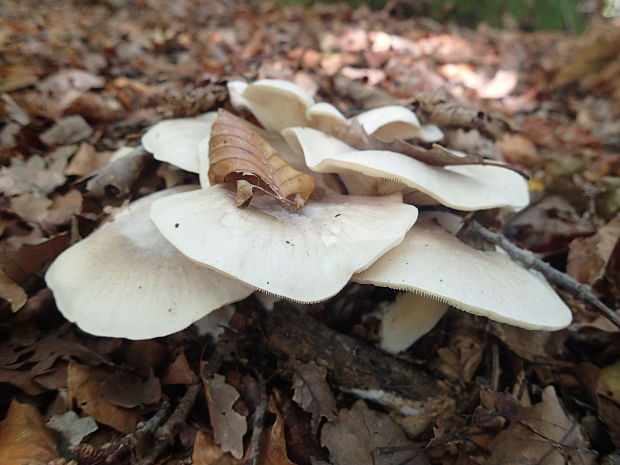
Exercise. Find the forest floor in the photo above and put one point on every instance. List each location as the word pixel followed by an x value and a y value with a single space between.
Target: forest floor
pixel 81 81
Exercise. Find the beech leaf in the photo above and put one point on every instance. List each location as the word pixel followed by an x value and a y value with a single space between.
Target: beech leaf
pixel 356 136
pixel 238 153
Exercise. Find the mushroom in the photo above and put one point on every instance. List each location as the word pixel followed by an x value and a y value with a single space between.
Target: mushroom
pixel 277 104
pixel 176 140
pixel 126 280
pixel 305 256
pixel 324 117
pixel 462 187
pixel 407 319
pixel 432 262
pixel 395 121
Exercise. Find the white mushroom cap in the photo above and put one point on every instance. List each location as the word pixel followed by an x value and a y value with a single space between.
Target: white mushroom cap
pixel 176 140
pixel 462 187
pixel 324 116
pixel 407 319
pixel 432 262
pixel 277 104
pixel 395 121
pixel 306 256
pixel 126 280
pixel 235 92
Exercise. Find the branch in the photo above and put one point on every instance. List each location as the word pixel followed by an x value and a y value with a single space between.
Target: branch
pixel 164 434
pixel 529 260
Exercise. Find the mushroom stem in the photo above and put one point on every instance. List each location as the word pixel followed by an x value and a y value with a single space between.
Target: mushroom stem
pixel 409 318
pixel 529 260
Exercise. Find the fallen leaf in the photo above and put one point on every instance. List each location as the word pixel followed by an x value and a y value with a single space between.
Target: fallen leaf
pixel 228 425
pixel 237 152
pixel 207 452
pixel 84 392
pixel 33 175
pixel 12 292
pixel 355 136
pixel 535 346
pixel 118 175
pixel 461 357
pixel 65 80
pixel 588 257
pixel 86 161
pixel 609 382
pixel 358 434
pixel 178 372
pixel 72 428
pixel 273 450
pixel 128 390
pixel 312 392
pixel 68 130
pixel 541 434
pixel 31 258
pixel 24 438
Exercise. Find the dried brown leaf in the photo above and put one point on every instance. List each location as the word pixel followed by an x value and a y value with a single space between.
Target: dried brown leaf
pixel 67 130
pixel 129 390
pixel 237 152
pixel 541 434
pixel 207 452
pixel 24 438
pixel 355 136
pixel 461 357
pixel 357 435
pixel 273 450
pixel 118 175
pixel 588 258
pixel 312 392
pixel 84 392
pixel 228 425
pixel 12 292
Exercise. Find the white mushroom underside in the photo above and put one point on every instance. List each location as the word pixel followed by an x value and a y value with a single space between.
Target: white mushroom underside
pixel 407 319
pixel 462 187
pixel 432 262
pixel 306 256
pixel 176 140
pixel 277 104
pixel 126 280
pixel 395 121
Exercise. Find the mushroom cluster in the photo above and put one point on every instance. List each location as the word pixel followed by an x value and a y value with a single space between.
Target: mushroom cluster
pixel 174 256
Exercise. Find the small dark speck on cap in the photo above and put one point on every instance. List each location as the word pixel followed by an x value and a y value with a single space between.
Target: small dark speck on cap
pixel 176 225
pixel 337 215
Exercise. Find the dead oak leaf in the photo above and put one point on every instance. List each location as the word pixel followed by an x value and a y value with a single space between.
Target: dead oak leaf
pixel 356 136
pixel 24 438
pixel 207 452
pixel 238 153
pixel 358 435
pixel 589 257
pixel 312 392
pixel 228 425
pixel 273 450
pixel 541 434
pixel 84 391
pixel 12 292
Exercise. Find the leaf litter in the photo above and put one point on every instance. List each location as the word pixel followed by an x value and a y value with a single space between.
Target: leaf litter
pixel 554 117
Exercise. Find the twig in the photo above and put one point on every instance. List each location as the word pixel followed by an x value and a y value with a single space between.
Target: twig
pixel 87 455
pixel 164 434
pixel 258 420
pixel 529 260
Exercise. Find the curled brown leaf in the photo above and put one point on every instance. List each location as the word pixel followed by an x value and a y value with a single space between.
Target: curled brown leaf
pixel 238 153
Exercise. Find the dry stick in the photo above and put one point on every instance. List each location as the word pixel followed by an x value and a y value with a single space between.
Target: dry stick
pixel 258 420
pixel 165 433
pixel 87 456
pixel 527 258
